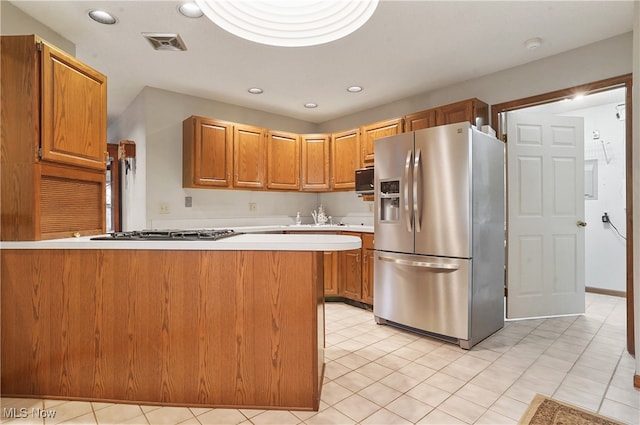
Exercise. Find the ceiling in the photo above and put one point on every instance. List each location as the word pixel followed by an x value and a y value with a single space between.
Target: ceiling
pixel 406 48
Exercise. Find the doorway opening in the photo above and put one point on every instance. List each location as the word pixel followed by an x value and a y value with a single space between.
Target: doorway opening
pixel 623 114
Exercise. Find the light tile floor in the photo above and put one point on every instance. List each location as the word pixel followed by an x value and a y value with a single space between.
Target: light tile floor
pixel 383 375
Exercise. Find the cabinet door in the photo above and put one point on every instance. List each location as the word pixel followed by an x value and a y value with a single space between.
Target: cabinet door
pixel 345 159
pixel 471 110
pixel 374 131
pixel 249 157
pixel 367 268
pixel 331 274
pixel 74 111
pixel 420 120
pixel 315 162
pixel 350 271
pixel 207 152
pixel 283 161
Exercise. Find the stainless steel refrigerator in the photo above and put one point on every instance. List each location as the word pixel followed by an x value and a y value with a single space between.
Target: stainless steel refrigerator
pixel 439 222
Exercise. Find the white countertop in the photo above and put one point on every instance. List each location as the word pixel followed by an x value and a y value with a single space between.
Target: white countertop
pixel 304 228
pixel 242 242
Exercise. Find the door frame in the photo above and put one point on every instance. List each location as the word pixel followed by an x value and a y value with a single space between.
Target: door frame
pixel 584 89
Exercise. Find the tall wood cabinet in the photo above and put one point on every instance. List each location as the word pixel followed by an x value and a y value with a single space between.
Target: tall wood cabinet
pixel 54 146
pixel 367 268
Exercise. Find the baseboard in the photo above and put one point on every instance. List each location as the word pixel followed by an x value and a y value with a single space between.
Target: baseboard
pixel 601 291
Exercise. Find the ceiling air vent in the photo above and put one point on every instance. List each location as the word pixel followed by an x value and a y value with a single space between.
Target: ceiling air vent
pixel 165 41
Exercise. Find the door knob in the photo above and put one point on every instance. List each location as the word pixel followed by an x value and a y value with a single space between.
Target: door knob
pixel 581 223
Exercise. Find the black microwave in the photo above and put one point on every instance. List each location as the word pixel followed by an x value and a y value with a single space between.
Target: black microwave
pixel 364 181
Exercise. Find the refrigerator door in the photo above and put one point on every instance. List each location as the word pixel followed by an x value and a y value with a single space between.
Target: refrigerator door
pixel 393 214
pixel 426 293
pixel 442 170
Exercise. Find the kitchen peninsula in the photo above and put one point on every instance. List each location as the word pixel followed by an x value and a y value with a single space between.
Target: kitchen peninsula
pixel 237 322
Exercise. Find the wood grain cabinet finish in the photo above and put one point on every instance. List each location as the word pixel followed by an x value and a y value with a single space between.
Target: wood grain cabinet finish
pixel 472 110
pixel 345 159
pixel 241 329
pixel 315 162
pixel 350 271
pixel 367 268
pixel 54 147
pixel 283 161
pixel 207 152
pixel 420 120
pixel 249 157
pixel 374 131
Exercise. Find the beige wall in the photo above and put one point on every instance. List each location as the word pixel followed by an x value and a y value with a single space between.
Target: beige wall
pixel 14 21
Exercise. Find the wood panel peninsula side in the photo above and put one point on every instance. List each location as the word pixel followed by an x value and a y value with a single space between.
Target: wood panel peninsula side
pixel 221 327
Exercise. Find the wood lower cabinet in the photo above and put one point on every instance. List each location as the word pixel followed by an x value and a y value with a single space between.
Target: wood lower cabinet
pixel 367 268
pixel 315 162
pixel 374 131
pixel 207 152
pixel 54 146
pixel 345 160
pixel 283 161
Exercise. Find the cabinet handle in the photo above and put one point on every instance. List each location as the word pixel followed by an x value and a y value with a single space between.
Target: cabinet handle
pixel 106 157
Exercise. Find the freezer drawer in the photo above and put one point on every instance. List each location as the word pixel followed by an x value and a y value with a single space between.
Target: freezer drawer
pixel 426 293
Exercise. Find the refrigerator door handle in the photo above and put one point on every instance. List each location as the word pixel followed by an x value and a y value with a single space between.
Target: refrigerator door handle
pixel 417 178
pixel 407 170
pixel 434 266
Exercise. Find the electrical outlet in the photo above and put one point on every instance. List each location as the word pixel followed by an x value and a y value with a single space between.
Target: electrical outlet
pixel 252 206
pixel 164 208
pixel 605 218
pixel 188 201
pixel 370 206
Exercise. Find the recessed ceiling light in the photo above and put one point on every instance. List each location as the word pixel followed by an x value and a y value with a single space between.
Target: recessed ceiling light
pixel 190 10
pixel 289 23
pixel 255 90
pixel 533 43
pixel 354 89
pixel 102 17
pixel 310 105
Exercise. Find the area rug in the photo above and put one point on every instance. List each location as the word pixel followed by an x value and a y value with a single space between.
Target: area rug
pixel 546 411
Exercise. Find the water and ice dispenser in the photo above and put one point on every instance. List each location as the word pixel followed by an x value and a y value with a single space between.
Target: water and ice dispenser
pixel 389 200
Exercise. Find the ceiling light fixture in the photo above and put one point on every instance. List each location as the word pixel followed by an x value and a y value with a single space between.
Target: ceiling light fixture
pixel 102 17
pixel 354 89
pixel 190 10
pixel 289 23
pixel 310 105
pixel 255 90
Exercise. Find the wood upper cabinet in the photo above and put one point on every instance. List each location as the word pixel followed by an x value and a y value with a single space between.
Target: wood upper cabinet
pixel 420 120
pixel 249 157
pixel 54 146
pixel 472 110
pixel 345 159
pixel 207 152
pixel 74 110
pixel 374 131
pixel 314 162
pixel 283 160
pixel 367 268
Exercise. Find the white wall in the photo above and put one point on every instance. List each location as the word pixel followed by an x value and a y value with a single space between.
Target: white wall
pixel 605 251
pixel 608 58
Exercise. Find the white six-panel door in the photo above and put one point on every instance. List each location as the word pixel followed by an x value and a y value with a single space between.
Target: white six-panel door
pixel 545 213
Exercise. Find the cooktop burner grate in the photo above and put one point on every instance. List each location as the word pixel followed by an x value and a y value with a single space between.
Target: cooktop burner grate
pixel 169 235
